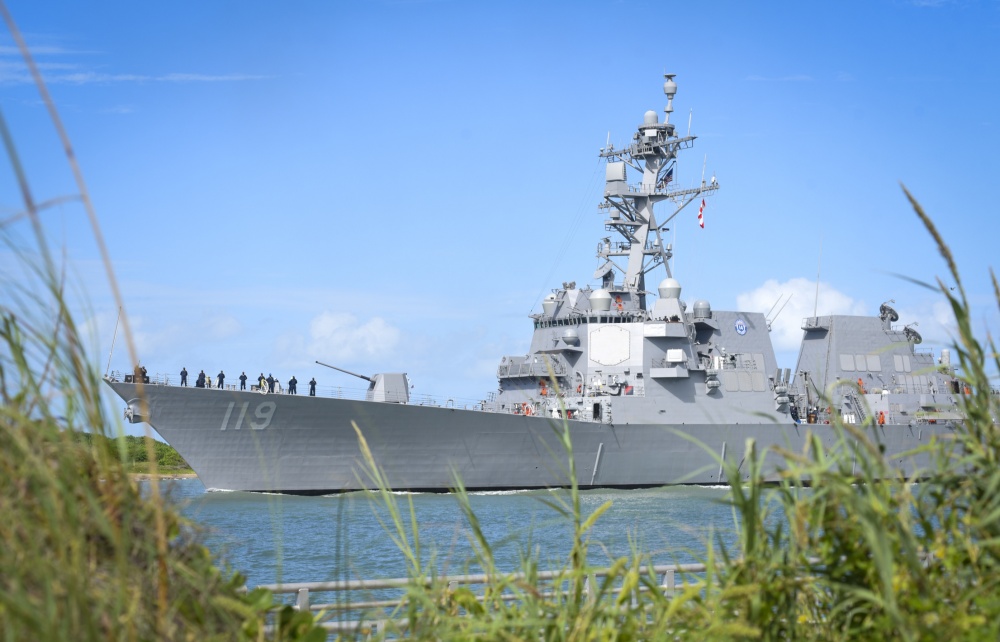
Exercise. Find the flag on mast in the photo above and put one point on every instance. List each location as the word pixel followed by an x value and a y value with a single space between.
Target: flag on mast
pixel 701 216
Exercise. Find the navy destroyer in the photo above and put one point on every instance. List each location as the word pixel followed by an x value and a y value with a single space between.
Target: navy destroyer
pixel 649 387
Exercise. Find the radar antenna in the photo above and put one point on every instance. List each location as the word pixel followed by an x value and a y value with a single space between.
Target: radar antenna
pixel 886 312
pixel 670 89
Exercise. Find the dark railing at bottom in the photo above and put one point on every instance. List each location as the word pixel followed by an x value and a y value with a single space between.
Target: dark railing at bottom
pixel 370 625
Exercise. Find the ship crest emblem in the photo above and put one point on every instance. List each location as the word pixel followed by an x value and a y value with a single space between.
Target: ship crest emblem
pixel 741 327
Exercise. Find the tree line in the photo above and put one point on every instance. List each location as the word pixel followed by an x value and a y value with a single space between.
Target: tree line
pixel 135 451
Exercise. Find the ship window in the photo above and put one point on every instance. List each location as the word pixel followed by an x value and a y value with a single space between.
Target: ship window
pixel 847 362
pixel 874 363
pixel 860 362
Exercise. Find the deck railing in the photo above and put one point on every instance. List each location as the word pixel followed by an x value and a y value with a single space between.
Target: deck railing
pixel 372 615
pixel 336 392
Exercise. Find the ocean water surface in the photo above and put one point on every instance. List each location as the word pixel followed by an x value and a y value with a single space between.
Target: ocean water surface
pixel 284 538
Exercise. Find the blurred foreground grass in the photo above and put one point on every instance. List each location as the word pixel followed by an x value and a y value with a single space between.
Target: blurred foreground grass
pixel 84 555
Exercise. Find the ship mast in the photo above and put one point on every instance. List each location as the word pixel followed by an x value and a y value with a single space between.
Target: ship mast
pixel 630 207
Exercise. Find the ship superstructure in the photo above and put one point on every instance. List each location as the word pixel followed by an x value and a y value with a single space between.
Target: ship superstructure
pixel 645 383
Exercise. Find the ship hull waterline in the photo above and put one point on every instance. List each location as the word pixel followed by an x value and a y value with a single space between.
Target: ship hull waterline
pixel 307 445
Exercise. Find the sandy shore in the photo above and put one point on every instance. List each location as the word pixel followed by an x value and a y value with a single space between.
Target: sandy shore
pixel 147 476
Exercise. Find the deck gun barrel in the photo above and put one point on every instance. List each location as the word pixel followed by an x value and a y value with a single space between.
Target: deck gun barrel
pixel 359 376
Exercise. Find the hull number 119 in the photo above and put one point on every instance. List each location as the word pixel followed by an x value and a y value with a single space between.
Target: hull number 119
pixel 263 413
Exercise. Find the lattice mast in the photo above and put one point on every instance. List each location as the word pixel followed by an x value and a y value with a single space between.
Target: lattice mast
pixel 630 207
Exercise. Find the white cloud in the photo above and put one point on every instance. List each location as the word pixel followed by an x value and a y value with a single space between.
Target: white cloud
pixel 223 326
pixel 934 321
pixel 12 73
pixel 786 331
pixel 944 315
pixel 341 336
pixel 90 77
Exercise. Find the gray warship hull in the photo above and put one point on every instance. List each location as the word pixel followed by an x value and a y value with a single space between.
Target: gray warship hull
pixel 307 445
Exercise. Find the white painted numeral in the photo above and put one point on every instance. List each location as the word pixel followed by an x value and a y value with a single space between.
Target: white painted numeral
pixel 229 411
pixel 264 413
pixel 243 413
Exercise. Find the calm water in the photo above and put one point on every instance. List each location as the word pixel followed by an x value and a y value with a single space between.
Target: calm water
pixel 272 538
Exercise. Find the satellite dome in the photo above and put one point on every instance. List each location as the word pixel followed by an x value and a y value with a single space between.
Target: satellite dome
pixel 702 309
pixel 600 300
pixel 650 118
pixel 669 288
pixel 570 336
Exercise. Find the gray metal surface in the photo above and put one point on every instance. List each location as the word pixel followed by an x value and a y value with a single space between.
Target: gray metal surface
pixel 651 390
pixel 308 444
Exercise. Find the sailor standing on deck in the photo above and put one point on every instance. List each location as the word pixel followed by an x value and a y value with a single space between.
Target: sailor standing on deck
pixel 184 376
pixel 291 385
pixel 200 383
pixel 270 383
pixel 222 378
pixel 243 380
pixel 312 387
pixel 261 381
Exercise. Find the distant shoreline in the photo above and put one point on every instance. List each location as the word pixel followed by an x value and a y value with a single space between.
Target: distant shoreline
pixel 147 476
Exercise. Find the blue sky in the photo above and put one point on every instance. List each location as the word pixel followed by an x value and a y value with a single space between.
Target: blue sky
pixel 393 186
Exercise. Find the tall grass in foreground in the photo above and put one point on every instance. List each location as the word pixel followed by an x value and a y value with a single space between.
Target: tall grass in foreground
pixel 79 553
pixel 863 553
pixel 83 554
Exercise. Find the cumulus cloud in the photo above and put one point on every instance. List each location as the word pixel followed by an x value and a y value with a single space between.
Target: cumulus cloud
pixel 342 336
pixel 786 331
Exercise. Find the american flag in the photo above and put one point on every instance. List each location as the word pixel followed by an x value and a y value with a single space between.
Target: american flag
pixel 669 176
pixel 701 216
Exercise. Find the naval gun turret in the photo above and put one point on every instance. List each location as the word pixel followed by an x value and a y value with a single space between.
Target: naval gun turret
pixel 390 387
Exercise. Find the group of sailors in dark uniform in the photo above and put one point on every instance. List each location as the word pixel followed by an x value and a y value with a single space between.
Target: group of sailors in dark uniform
pixel 268 382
